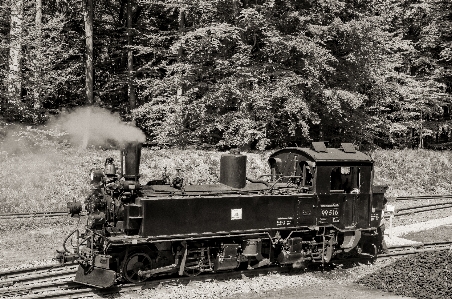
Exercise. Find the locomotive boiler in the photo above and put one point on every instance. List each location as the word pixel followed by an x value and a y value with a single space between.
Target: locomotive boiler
pixel 315 205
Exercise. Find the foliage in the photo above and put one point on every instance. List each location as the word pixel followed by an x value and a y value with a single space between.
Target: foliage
pixel 417 87
pixel 4 47
pixel 252 74
pixel 412 172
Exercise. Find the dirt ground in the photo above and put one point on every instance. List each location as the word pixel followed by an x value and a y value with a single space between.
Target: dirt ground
pixel 332 290
pixel 26 242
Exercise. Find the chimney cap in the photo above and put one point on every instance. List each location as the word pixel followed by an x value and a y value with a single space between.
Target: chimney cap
pixel 234 151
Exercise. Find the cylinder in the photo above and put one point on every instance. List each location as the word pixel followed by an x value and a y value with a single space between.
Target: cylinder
pixel 132 155
pixel 252 247
pixel 233 170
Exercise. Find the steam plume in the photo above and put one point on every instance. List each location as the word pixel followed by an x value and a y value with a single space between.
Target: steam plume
pixel 97 126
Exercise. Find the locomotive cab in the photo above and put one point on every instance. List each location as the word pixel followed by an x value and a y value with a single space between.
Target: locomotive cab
pixel 340 179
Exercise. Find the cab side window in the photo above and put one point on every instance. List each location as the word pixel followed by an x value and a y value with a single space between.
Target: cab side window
pixel 336 179
pixel 307 174
pixel 345 179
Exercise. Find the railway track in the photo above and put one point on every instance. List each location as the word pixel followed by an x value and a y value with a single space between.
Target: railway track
pixel 422 208
pixel 406 250
pixel 34 215
pixel 56 282
pixel 46 282
pixel 22 276
pixel 423 197
pixel 25 282
pixel 404 205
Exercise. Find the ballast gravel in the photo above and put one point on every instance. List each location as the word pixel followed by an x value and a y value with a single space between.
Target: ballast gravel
pixel 336 283
pixel 425 275
pixel 224 289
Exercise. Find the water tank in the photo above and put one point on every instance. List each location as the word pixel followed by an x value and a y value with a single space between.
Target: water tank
pixel 233 170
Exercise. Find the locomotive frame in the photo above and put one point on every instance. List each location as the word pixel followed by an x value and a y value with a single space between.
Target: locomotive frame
pixel 317 204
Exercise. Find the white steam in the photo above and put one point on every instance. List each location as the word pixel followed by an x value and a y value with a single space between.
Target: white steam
pixel 97 126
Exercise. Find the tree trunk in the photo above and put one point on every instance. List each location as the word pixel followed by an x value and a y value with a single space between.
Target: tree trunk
pixel 38 55
pixel 15 54
pixel 132 96
pixel 421 131
pixel 180 89
pixel 181 27
pixel 89 83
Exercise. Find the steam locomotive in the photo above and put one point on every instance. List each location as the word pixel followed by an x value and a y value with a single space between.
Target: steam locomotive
pixel 315 205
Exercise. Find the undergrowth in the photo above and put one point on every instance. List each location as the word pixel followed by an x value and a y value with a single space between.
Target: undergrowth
pixel 45 172
pixel 413 172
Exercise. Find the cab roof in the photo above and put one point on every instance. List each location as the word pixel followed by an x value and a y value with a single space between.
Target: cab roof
pixel 320 153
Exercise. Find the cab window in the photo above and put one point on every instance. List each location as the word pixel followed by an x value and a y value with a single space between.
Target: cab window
pixel 345 179
pixel 307 170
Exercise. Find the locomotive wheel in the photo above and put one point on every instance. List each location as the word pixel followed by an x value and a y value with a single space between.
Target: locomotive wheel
pixel 193 268
pixel 134 263
pixel 195 271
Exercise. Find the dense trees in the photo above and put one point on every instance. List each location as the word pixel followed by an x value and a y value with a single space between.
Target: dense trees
pixel 258 73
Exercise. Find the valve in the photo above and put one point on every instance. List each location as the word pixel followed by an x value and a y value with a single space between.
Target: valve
pixel 178 181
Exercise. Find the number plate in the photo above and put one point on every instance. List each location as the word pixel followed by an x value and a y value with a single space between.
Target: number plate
pixel 102 261
pixel 330 212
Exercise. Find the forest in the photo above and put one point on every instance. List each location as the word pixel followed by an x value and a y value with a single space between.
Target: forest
pixel 255 74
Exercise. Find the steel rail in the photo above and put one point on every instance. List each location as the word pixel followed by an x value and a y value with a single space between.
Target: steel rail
pixel 38 287
pixel 406 250
pixel 420 209
pixel 35 215
pixel 65 288
pixel 74 290
pixel 424 206
pixel 14 281
pixel 70 292
pixel 418 197
pixel 12 273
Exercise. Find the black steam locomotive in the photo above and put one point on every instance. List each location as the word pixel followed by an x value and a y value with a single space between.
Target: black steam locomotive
pixel 317 204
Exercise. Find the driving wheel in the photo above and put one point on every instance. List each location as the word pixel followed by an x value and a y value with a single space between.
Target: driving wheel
pixel 134 263
pixel 194 270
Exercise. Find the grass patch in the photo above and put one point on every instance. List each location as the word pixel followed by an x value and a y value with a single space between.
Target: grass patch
pixel 45 181
pixel 42 172
pixel 34 239
pixel 197 167
pixel 413 172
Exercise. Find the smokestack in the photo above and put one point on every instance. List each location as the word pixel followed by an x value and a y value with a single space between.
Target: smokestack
pixel 132 155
